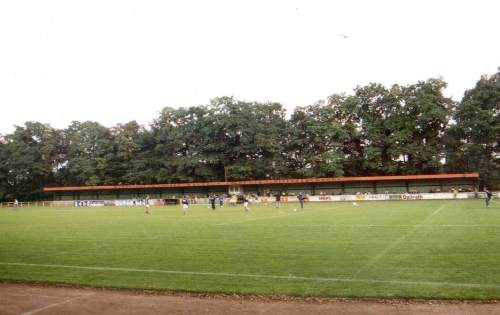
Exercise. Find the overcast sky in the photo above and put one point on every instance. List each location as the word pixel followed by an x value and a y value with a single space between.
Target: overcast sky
pixel 116 61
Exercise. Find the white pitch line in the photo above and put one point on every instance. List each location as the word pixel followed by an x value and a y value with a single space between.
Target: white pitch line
pixel 398 241
pixel 435 212
pixel 243 275
pixel 56 304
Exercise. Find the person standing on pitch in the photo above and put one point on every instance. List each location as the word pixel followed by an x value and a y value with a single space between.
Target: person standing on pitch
pixel 489 195
pixel 185 205
pixel 301 198
pixel 146 203
pixel 277 197
pixel 245 203
pixel 234 200
pixel 212 201
pixel 221 200
pixel 257 200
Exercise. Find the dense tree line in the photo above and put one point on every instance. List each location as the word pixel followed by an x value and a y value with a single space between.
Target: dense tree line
pixel 376 130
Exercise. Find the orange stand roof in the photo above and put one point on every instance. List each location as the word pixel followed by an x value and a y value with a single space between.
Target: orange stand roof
pixel 270 182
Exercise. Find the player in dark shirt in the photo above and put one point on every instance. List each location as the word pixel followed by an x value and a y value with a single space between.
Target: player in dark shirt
pixel 212 201
pixel 277 197
pixel 301 198
pixel 185 205
pixel 489 195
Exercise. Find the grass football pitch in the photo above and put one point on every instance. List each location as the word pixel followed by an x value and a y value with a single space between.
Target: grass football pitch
pixel 410 249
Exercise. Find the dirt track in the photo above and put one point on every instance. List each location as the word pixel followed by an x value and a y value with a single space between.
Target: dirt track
pixel 42 300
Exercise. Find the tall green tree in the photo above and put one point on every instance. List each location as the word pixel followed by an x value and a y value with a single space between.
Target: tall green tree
pixel 32 155
pixel 378 109
pixel 374 131
pixel 315 142
pixel 89 155
pixel 123 166
pixel 393 131
pixel 475 137
pixel 4 172
pixel 425 118
pixel 178 151
pixel 345 110
pixel 371 122
pixel 244 140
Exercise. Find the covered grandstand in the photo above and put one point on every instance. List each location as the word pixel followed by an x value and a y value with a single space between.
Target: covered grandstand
pixel 466 182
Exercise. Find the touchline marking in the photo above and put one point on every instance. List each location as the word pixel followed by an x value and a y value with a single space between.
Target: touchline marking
pixel 243 275
pixel 398 241
pixel 56 304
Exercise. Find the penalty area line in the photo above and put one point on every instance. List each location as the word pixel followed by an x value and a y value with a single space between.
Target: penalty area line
pixel 259 276
pixel 397 242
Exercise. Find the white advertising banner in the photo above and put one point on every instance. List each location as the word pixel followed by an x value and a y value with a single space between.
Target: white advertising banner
pixel 284 199
pixel 129 202
pixel 381 197
pixel 446 196
pixel 89 203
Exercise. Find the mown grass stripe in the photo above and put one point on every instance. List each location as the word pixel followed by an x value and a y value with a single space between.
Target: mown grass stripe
pixel 243 275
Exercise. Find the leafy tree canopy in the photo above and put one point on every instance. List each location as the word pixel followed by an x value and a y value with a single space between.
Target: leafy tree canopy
pixel 375 130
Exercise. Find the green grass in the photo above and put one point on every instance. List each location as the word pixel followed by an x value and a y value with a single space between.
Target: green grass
pixel 412 249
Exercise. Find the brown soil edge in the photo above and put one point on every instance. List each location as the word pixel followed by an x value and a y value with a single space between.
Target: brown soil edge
pixel 254 297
